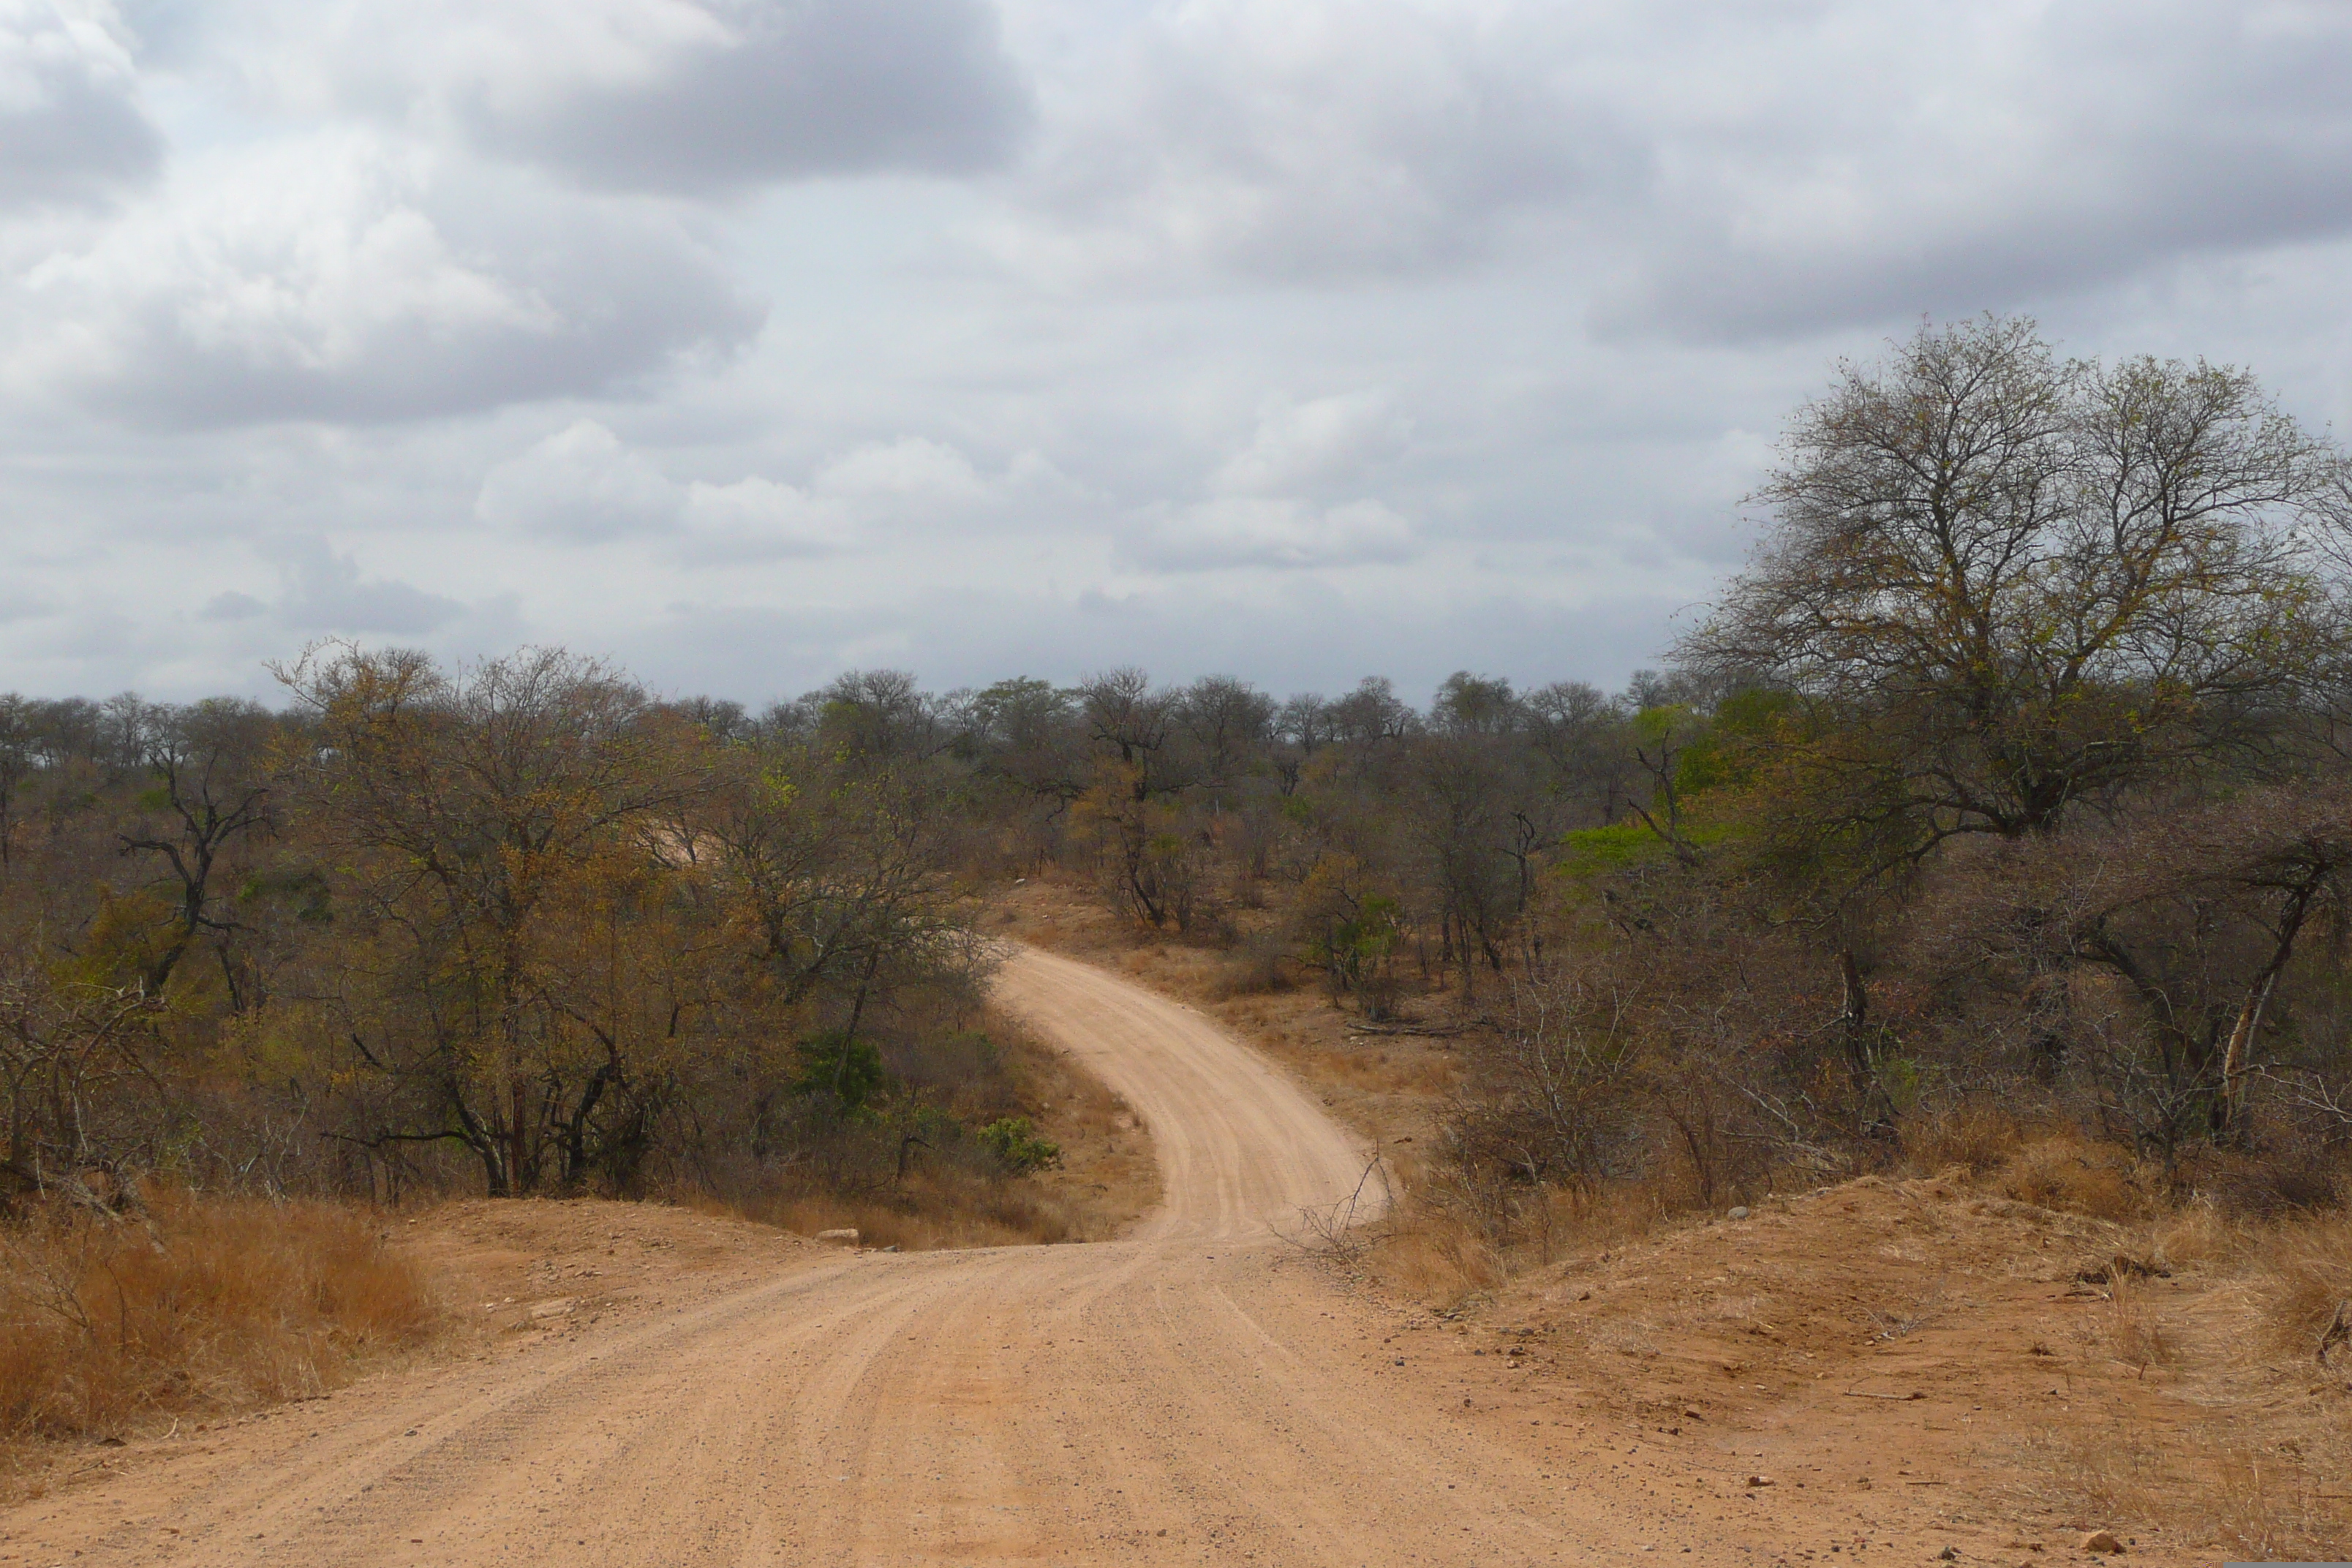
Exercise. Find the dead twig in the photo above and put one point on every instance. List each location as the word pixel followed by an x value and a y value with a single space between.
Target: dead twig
pixel 1331 1229
pixel 2337 1331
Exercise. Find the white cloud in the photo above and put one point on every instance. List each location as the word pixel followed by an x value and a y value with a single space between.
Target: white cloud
pixel 580 483
pixel 759 519
pixel 342 277
pixel 910 469
pixel 71 126
pixel 1309 442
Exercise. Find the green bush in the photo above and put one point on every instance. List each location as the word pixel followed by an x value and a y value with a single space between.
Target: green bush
pixel 839 1070
pixel 1016 1143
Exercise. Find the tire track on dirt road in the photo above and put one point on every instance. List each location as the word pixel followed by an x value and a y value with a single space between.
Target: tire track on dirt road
pixel 1189 1393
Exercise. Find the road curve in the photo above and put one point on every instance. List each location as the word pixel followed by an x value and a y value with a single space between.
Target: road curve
pixel 1195 1391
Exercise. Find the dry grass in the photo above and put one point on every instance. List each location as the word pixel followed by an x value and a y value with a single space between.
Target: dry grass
pixel 197 1304
pixel 1979 1139
pixel 2059 1170
pixel 1431 1256
pixel 2196 1236
pixel 2133 1329
pixel 2303 1274
pixel 2226 1494
pixel 1441 1245
pixel 924 1215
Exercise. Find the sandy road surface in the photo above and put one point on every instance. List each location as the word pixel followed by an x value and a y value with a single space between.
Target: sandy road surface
pixel 1194 1393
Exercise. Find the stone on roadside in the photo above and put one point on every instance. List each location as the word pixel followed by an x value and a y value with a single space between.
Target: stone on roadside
pixel 2102 1541
pixel 846 1236
pixel 1738 1212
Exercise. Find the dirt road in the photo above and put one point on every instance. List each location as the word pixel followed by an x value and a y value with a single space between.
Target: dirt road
pixel 1198 1392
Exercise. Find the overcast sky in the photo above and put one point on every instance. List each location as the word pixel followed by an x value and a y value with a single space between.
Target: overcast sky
pixel 746 341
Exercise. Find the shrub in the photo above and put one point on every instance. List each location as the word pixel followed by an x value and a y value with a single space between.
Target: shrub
pixel 1015 1142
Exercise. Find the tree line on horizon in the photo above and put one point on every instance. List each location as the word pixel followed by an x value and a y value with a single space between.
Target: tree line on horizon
pixel 2010 776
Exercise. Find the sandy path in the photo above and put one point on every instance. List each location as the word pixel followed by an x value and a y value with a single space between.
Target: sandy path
pixel 1196 1392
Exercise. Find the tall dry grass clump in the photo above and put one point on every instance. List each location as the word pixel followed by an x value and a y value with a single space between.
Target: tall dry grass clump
pixel 2226 1491
pixel 2303 1274
pixel 190 1303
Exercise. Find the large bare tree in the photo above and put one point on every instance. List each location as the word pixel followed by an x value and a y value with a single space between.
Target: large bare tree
pixel 2003 584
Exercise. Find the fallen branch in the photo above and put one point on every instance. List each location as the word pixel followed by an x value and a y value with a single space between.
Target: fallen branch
pixel 1331 1229
pixel 1427 1031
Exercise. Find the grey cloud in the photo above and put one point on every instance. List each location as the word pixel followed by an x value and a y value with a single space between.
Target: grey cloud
pixel 232 607
pixel 17 603
pixel 1283 532
pixel 800 88
pixel 326 593
pixel 330 282
pixel 172 31
pixel 2089 144
pixel 1325 139
pixel 71 129
pixel 1704 283
pixel 694 97
pixel 1705 170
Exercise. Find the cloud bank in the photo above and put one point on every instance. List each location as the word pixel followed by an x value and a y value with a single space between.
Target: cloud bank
pixel 761 338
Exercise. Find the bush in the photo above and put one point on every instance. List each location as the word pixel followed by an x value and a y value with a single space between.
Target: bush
pixel 1015 1142
pixel 197 1303
pixel 840 1071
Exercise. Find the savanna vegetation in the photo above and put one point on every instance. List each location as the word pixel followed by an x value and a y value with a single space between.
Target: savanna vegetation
pixel 2007 786
pixel 2005 790
pixel 515 928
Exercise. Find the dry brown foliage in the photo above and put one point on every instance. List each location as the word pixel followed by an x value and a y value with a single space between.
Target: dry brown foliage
pixel 190 1303
pixel 1106 1176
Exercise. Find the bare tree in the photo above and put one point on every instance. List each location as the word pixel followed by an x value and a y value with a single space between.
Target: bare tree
pixel 210 762
pixel 2003 585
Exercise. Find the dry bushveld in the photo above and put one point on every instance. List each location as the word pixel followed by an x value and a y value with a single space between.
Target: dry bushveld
pixel 2128 1352
pixel 1967 904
